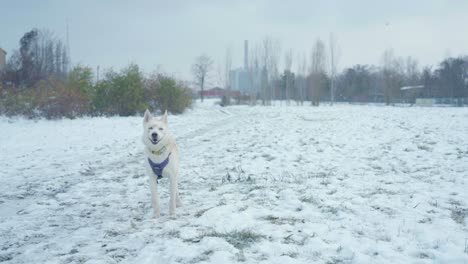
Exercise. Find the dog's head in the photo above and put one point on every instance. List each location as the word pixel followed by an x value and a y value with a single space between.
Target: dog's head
pixel 154 130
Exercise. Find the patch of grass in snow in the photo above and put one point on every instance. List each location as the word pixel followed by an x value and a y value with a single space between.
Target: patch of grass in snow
pixel 424 147
pixel 237 175
pixel 268 157
pixel 282 220
pixel 112 233
pixel 203 257
pixel 458 214
pixel 425 255
pixel 291 254
pixel 425 220
pixel 222 202
pixel 358 232
pixel 79 259
pixel 461 153
pixel 325 182
pixel 384 237
pixel 119 254
pixel 243 208
pixel 386 210
pixel 7 257
pixel 454 202
pixel 330 210
pixel 434 203
pixel 380 190
pixel 256 187
pixel 240 239
pixel 309 199
pixel 172 233
pixel 201 212
pixel 335 260
pixel 298 240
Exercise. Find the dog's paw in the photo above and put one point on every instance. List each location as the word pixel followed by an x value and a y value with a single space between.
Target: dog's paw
pixel 172 214
pixel 156 214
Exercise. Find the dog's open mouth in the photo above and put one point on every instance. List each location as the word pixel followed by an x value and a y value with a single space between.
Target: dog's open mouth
pixel 155 142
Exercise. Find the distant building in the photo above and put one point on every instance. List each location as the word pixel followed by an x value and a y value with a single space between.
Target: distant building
pixel 2 59
pixel 240 80
pixel 410 93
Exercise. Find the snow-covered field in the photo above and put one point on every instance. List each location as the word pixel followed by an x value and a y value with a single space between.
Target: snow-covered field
pixel 281 184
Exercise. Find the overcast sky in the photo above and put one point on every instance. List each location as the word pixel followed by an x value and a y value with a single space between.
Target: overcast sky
pixel 170 34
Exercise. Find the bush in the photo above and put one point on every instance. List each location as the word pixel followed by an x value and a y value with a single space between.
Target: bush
pixel 165 93
pixel 81 79
pixel 120 94
pixel 48 98
pixel 53 99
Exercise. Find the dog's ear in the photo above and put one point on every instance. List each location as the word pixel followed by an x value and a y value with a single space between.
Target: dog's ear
pixel 164 117
pixel 147 117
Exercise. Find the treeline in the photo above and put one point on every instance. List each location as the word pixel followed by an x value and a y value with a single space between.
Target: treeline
pixel 364 83
pixel 370 83
pixel 37 82
pixel 315 78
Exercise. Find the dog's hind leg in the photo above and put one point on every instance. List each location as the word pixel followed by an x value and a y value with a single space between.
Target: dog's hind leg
pixel 173 196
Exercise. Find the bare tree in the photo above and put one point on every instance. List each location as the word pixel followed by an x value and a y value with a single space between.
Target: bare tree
pixel 388 75
pixel 269 53
pixel 273 68
pixel 317 71
pixel 227 74
pixel 288 60
pixel 253 70
pixel 411 71
pixel 265 57
pixel 58 58
pixel 334 57
pixel 301 78
pixel 200 70
pixel 36 58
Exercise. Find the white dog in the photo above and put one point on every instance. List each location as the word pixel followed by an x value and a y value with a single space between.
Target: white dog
pixel 162 160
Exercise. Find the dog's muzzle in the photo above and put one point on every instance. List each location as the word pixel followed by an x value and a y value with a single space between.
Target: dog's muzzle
pixel 154 138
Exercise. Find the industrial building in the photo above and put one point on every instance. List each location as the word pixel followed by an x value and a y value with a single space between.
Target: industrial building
pixel 240 78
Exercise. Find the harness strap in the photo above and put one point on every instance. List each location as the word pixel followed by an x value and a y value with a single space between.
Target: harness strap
pixel 159 167
pixel 158 152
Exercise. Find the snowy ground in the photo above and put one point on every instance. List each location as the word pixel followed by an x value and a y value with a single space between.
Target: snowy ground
pixel 342 184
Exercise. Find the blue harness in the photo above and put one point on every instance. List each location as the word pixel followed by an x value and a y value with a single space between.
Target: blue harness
pixel 159 167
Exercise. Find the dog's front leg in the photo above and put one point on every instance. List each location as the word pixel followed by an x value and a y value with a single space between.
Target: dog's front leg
pixel 154 195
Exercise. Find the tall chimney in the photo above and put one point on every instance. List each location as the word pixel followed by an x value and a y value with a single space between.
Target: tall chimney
pixel 246 54
pixel 2 59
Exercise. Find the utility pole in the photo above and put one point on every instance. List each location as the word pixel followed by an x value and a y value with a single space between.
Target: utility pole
pixel 332 67
pixel 68 48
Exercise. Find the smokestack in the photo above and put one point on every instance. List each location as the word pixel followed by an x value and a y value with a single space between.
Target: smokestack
pixel 246 54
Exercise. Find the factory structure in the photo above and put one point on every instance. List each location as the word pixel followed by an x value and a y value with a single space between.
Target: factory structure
pixel 2 59
pixel 240 79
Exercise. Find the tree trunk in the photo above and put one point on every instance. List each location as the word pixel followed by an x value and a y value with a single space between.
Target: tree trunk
pixel 201 94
